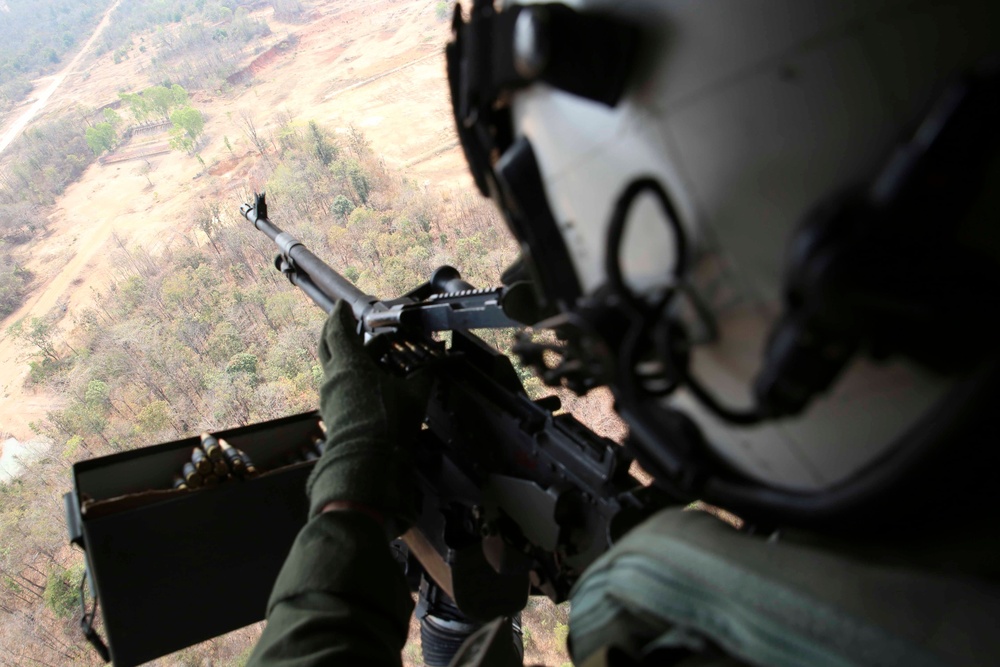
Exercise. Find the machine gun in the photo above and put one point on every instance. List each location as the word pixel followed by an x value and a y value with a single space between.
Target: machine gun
pixel 515 497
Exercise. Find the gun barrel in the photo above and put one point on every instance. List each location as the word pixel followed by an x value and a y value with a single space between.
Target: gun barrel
pixel 323 278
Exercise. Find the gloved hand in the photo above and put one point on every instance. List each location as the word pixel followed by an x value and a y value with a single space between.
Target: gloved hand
pixel 372 418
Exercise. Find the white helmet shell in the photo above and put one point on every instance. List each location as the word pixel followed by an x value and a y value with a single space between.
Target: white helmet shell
pixel 749 114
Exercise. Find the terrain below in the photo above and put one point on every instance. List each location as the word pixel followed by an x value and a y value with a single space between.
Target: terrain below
pixel 376 66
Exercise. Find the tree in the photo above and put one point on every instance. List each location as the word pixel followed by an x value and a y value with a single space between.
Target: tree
pixel 101 138
pixel 137 104
pixel 38 332
pixel 359 144
pixel 246 365
pixel 360 182
pixel 62 590
pixel 325 151
pixel 342 207
pixel 12 285
pixel 97 393
pixel 145 170
pixel 153 418
pixel 249 128
pixel 160 99
pixel 180 96
pixel 288 187
pixel 352 175
pixel 209 220
pixel 111 116
pixel 188 124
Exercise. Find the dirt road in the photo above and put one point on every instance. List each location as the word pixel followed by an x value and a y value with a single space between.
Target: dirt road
pixel 17 414
pixel 15 129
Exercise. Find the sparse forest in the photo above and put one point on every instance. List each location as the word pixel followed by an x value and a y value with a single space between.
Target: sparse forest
pixel 197 44
pixel 208 335
pixel 201 332
pixel 44 161
pixel 13 282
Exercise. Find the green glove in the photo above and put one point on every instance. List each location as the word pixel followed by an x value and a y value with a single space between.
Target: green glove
pixel 372 419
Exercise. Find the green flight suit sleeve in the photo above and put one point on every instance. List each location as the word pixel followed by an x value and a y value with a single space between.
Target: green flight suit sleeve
pixel 340 599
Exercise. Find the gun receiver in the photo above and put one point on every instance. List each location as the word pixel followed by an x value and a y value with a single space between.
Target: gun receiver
pixel 515 498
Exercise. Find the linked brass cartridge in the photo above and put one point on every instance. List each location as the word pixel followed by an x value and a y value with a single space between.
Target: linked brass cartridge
pixel 250 470
pixel 191 476
pixel 211 446
pixel 221 469
pixel 200 461
pixel 232 456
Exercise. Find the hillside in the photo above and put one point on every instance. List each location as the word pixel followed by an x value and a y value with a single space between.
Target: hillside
pixel 139 272
pixel 375 66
